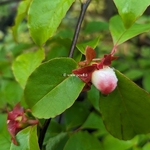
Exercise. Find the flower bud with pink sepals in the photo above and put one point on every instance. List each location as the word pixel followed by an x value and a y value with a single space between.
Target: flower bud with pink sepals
pixel 104 80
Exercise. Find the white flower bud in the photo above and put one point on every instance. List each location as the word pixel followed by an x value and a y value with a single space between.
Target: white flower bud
pixel 104 80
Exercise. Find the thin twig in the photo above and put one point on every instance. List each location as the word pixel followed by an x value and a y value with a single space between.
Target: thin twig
pixel 8 1
pixel 78 26
pixel 43 132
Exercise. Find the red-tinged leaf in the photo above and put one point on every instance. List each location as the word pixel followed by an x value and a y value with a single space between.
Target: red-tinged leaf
pixel 13 123
pixel 87 87
pixel 13 130
pixel 17 120
pixel 106 61
pixel 17 111
pixel 84 73
pixel 82 63
pixel 90 54
pixel 114 58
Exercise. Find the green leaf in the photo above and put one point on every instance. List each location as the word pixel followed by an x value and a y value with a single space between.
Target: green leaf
pixel 51 89
pixel 92 43
pixel 27 139
pixel 83 141
pixel 146 82
pixel 45 17
pixel 120 34
pixel 111 143
pixel 25 64
pixel 76 115
pixel 125 111
pixel 54 129
pixel 93 121
pixel 93 97
pixel 4 135
pixel 146 146
pixel 57 142
pixel 22 11
pixel 8 94
pixel 131 10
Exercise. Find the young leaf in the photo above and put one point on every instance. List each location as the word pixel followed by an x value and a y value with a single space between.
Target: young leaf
pixel 22 11
pixel 125 111
pixel 25 64
pixel 131 10
pixel 120 34
pixel 90 54
pixel 27 139
pixel 45 17
pixel 51 89
pixel 82 141
pixel 92 43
